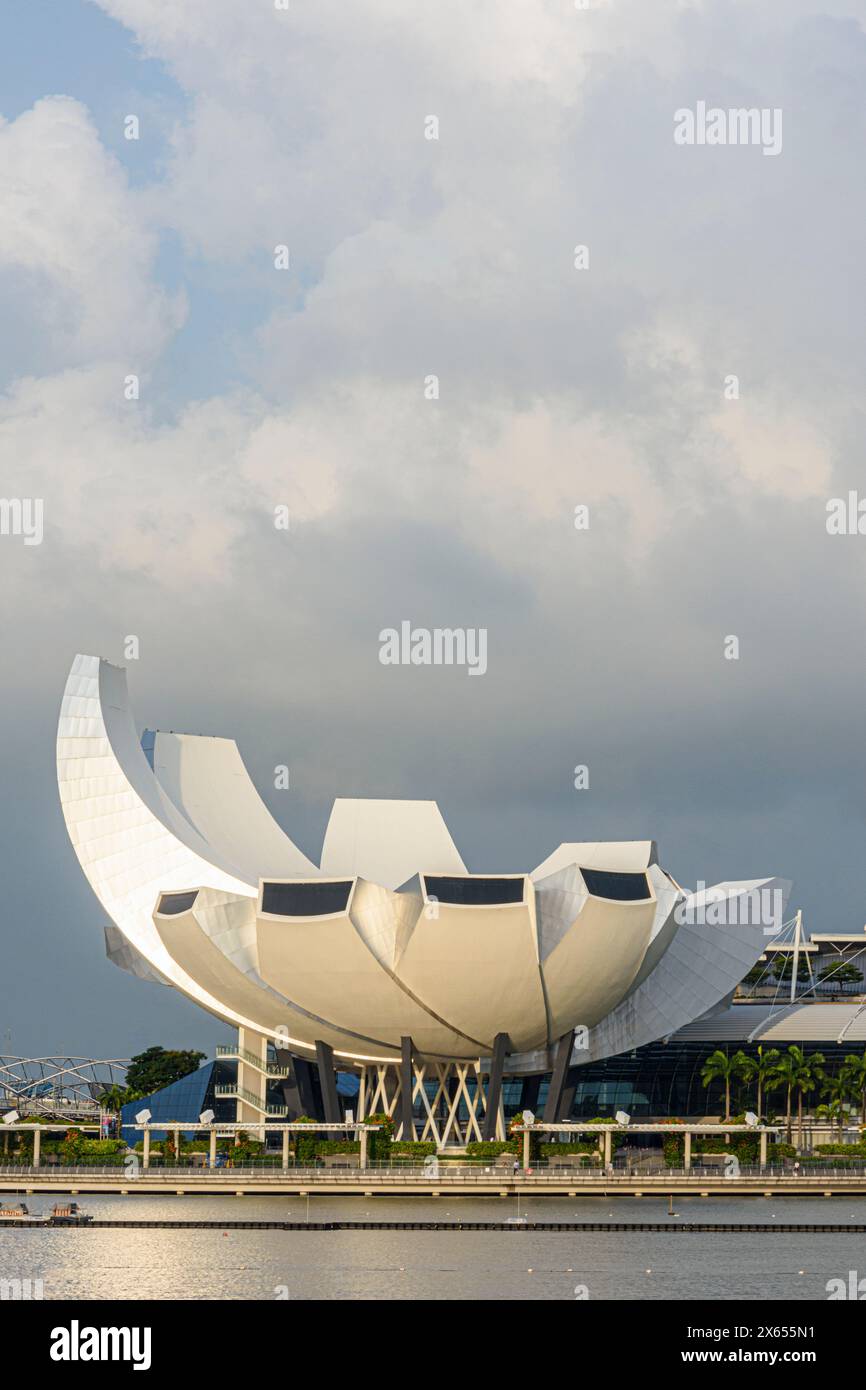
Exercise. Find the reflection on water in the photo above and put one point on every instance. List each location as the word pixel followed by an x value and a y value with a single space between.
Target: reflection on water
pixel 517 1264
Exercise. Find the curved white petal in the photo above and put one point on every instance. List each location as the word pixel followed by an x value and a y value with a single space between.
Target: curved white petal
pixel 703 963
pixel 124 955
pixel 340 965
pixel 132 842
pixel 592 959
pixel 614 856
pixel 195 940
pixel 478 967
pixel 206 779
pixel 388 842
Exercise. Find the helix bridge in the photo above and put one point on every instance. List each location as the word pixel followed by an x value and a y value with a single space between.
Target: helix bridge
pixel 58 1088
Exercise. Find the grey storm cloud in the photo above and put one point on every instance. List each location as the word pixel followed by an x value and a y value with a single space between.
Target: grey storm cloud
pixel 558 387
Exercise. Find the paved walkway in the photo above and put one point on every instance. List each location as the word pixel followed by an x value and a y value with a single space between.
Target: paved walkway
pixel 371 1182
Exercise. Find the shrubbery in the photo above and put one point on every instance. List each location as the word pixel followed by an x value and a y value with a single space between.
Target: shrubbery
pixel 417 1148
pixel 73 1150
pixel 307 1148
pixel 849 1150
pixel 743 1147
pixel 379 1144
pixel 578 1146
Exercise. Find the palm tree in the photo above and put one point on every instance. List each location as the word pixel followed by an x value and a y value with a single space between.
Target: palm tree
pixel 839 1089
pixel 761 1069
pixel 113 1097
pixel 810 1076
pixel 796 1071
pixel 854 1068
pixel 834 1111
pixel 720 1067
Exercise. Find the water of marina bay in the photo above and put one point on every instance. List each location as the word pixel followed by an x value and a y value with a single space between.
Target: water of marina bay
pixel 439 1265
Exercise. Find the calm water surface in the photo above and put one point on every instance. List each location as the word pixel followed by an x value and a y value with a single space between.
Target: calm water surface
pixel 366 1265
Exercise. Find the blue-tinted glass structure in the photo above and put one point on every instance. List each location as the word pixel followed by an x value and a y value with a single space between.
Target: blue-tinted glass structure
pixel 185 1099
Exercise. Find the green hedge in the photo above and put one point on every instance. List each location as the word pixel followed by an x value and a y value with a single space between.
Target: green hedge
pixel 492 1148
pixel 577 1146
pixel 22 1160
pixel 745 1149
pixel 833 1160
pixel 78 1150
pixel 86 1146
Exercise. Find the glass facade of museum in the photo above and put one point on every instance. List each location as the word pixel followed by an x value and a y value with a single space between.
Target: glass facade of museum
pixel 659 1080
pixel 664 1079
pixel 185 1099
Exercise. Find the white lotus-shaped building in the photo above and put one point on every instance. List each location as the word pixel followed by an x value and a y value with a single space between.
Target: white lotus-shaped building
pixel 389 954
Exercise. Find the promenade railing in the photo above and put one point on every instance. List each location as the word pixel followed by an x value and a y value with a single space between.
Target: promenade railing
pixel 466 1174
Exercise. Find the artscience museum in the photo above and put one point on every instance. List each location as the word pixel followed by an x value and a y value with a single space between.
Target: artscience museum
pixel 387 961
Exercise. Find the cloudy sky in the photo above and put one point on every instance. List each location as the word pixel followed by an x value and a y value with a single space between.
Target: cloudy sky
pixel 602 386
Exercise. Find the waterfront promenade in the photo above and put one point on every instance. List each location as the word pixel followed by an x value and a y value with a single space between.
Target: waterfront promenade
pixel 451 1181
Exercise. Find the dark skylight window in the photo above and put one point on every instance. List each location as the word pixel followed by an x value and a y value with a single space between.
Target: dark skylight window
pixel 313 899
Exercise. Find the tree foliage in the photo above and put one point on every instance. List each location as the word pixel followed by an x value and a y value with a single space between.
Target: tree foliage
pixel 783 968
pixel 157 1067
pixel 843 973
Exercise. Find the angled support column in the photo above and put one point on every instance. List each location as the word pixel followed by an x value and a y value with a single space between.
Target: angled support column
pixel 568 1090
pixel 328 1080
pixel 529 1093
pixel 494 1086
pixel 298 1090
pixel 553 1104
pixel 407 1122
